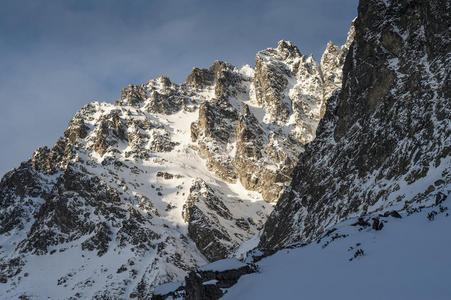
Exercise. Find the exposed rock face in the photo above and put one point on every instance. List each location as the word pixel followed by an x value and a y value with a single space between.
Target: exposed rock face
pixel 208 236
pixel 214 223
pixel 209 285
pixel 385 140
pixel 254 131
pixel 271 80
pixel 206 284
pixel 200 78
pixel 214 131
pixel 332 63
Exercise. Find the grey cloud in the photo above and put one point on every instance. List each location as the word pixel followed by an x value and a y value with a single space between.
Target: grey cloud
pixel 56 56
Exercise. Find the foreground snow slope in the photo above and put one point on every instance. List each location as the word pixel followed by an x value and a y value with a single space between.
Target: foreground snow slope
pixel 408 259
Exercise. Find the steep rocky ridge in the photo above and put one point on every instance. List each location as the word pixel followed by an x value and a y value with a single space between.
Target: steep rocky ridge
pixel 255 131
pixel 170 177
pixel 384 142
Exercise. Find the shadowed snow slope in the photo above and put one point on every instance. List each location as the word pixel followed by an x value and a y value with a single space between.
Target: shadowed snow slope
pixel 408 259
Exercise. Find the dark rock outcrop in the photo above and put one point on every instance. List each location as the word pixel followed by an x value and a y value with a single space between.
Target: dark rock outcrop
pixel 210 238
pixel 197 287
pixel 214 225
pixel 206 284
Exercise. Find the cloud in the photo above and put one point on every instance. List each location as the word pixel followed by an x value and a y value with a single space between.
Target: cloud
pixel 58 55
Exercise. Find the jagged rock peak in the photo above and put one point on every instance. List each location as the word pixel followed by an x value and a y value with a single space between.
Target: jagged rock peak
pixel 332 62
pixel 199 78
pixel 287 49
pixel 351 35
pixel 339 52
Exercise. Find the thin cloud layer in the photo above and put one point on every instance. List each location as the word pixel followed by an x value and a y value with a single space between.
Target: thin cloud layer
pixel 56 56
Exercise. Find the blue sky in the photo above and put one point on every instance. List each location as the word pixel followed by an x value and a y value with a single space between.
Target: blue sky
pixel 56 56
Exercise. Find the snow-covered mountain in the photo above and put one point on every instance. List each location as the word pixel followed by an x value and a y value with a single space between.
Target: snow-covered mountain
pixel 357 221
pixel 169 178
pixel 243 162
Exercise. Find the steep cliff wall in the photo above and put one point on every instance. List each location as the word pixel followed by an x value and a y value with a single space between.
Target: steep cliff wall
pixel 385 139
